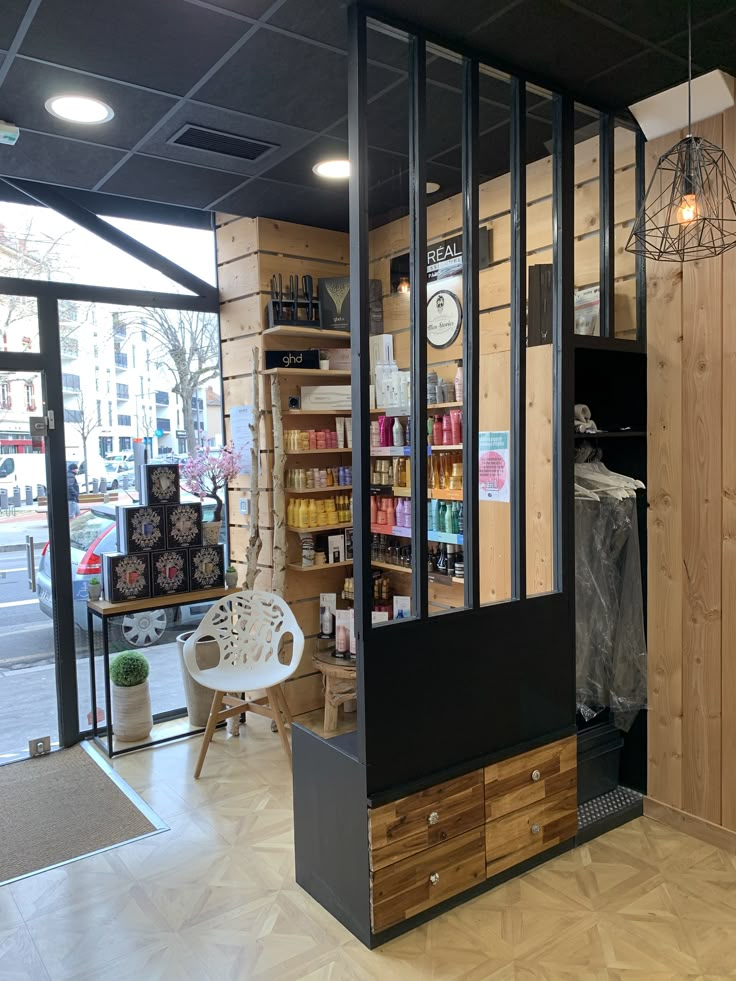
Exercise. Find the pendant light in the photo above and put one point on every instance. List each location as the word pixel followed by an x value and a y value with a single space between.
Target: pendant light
pixel 689 210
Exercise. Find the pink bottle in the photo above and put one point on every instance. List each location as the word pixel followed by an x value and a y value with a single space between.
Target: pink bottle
pixel 437 431
pixel 456 418
pixel 390 512
pixel 385 425
pixel 446 430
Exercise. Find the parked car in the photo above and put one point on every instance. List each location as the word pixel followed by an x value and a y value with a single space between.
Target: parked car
pixel 93 533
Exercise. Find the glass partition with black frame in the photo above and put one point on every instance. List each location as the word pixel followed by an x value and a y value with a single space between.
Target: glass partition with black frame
pixel 470 162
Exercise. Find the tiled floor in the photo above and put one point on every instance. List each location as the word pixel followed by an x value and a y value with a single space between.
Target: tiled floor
pixel 215 898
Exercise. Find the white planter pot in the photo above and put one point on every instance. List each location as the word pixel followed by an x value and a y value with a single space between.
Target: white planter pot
pixel 231 580
pixel 94 592
pixel 131 712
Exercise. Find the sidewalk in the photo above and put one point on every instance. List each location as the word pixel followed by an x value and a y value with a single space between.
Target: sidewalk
pixel 28 698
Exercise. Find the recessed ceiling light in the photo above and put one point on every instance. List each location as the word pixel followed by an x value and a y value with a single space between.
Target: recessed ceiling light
pixel 333 169
pixel 432 187
pixel 79 109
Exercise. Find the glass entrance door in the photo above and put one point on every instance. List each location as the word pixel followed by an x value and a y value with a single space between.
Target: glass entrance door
pixel 28 678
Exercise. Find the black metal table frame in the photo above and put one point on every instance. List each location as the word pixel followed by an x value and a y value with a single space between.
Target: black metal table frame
pixel 109 731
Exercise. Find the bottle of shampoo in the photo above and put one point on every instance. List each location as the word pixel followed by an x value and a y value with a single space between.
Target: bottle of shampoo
pixel 398 432
pixel 459 382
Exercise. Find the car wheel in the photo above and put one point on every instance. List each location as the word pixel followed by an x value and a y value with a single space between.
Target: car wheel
pixel 143 629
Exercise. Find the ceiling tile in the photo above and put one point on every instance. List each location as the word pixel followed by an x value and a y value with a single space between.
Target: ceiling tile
pixel 287 139
pixel 10 17
pixel 311 91
pixel 655 20
pixel 56 161
pixel 638 78
pixel 550 39
pixel 271 199
pixel 714 46
pixel 163 180
pixel 249 8
pixel 28 85
pixel 326 21
pixel 166 46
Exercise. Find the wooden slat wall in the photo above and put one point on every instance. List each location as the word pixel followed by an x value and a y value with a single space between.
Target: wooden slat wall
pixel 692 525
pixel 249 250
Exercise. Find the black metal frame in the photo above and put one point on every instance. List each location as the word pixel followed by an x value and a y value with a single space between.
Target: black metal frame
pixel 518 339
pixel 205 299
pixel 418 280
pixel 471 332
pixel 606 224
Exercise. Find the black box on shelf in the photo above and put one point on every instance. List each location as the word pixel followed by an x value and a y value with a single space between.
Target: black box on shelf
pixel 126 577
pixel 140 529
pixel 293 359
pixel 183 525
pixel 334 303
pixel 159 483
pixel 170 572
pixel 207 567
pixel 540 304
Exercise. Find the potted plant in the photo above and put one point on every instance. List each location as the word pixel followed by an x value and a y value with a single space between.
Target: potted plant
pixel 94 589
pixel 206 473
pixel 131 697
pixel 198 698
pixel 231 577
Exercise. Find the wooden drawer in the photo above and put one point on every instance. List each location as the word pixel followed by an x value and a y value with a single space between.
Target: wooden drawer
pixel 522 834
pixel 533 776
pixel 408 826
pixel 405 888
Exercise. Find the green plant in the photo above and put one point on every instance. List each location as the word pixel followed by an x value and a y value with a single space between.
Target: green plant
pixel 94 581
pixel 231 569
pixel 128 669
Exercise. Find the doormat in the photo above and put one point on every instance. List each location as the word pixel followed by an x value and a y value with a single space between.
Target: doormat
pixel 64 806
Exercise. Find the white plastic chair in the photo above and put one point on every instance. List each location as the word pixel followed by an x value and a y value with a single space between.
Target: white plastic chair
pixel 248 627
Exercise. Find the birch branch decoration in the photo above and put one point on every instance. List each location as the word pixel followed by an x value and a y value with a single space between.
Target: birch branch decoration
pixel 279 501
pixel 254 542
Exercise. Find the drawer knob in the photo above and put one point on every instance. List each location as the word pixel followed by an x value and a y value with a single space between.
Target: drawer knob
pixel 434 878
pixel 536 775
pixel 536 829
pixel 433 818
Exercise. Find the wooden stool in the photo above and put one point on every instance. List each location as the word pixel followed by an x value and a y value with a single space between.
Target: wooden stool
pixel 339 683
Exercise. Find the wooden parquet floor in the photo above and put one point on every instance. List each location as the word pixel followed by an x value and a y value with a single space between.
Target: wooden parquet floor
pixel 214 899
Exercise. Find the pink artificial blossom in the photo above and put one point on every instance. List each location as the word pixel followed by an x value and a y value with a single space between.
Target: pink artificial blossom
pixel 209 469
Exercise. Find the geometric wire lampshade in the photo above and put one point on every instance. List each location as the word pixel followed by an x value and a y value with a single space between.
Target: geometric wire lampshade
pixel 689 210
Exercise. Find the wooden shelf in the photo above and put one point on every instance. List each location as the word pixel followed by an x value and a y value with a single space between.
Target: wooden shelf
pixel 612 434
pixel 316 412
pixel 389 567
pixel 449 494
pixel 336 488
pixel 306 373
pixel 315 452
pixel 296 331
pixel 316 529
pixel 444 405
pixel 440 447
pixel 106 609
pixel 319 568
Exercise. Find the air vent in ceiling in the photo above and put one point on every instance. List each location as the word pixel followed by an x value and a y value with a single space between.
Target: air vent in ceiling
pixel 215 141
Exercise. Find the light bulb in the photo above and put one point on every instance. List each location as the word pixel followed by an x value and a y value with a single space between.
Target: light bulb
pixel 688 210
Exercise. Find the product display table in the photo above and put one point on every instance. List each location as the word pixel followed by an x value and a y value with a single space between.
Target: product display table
pixel 340 684
pixel 105 611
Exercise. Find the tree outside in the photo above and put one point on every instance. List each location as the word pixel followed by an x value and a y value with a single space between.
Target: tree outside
pixel 185 344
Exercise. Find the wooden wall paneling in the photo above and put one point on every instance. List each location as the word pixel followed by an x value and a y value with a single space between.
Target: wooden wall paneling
pixel 288 238
pixel 237 239
pixel 728 586
pixel 539 470
pixel 239 277
pixel 241 318
pixel 494 517
pixel 269 265
pixel 664 531
pixel 701 448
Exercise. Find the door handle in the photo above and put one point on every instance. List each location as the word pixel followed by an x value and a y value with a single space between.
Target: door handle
pixel 31 563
